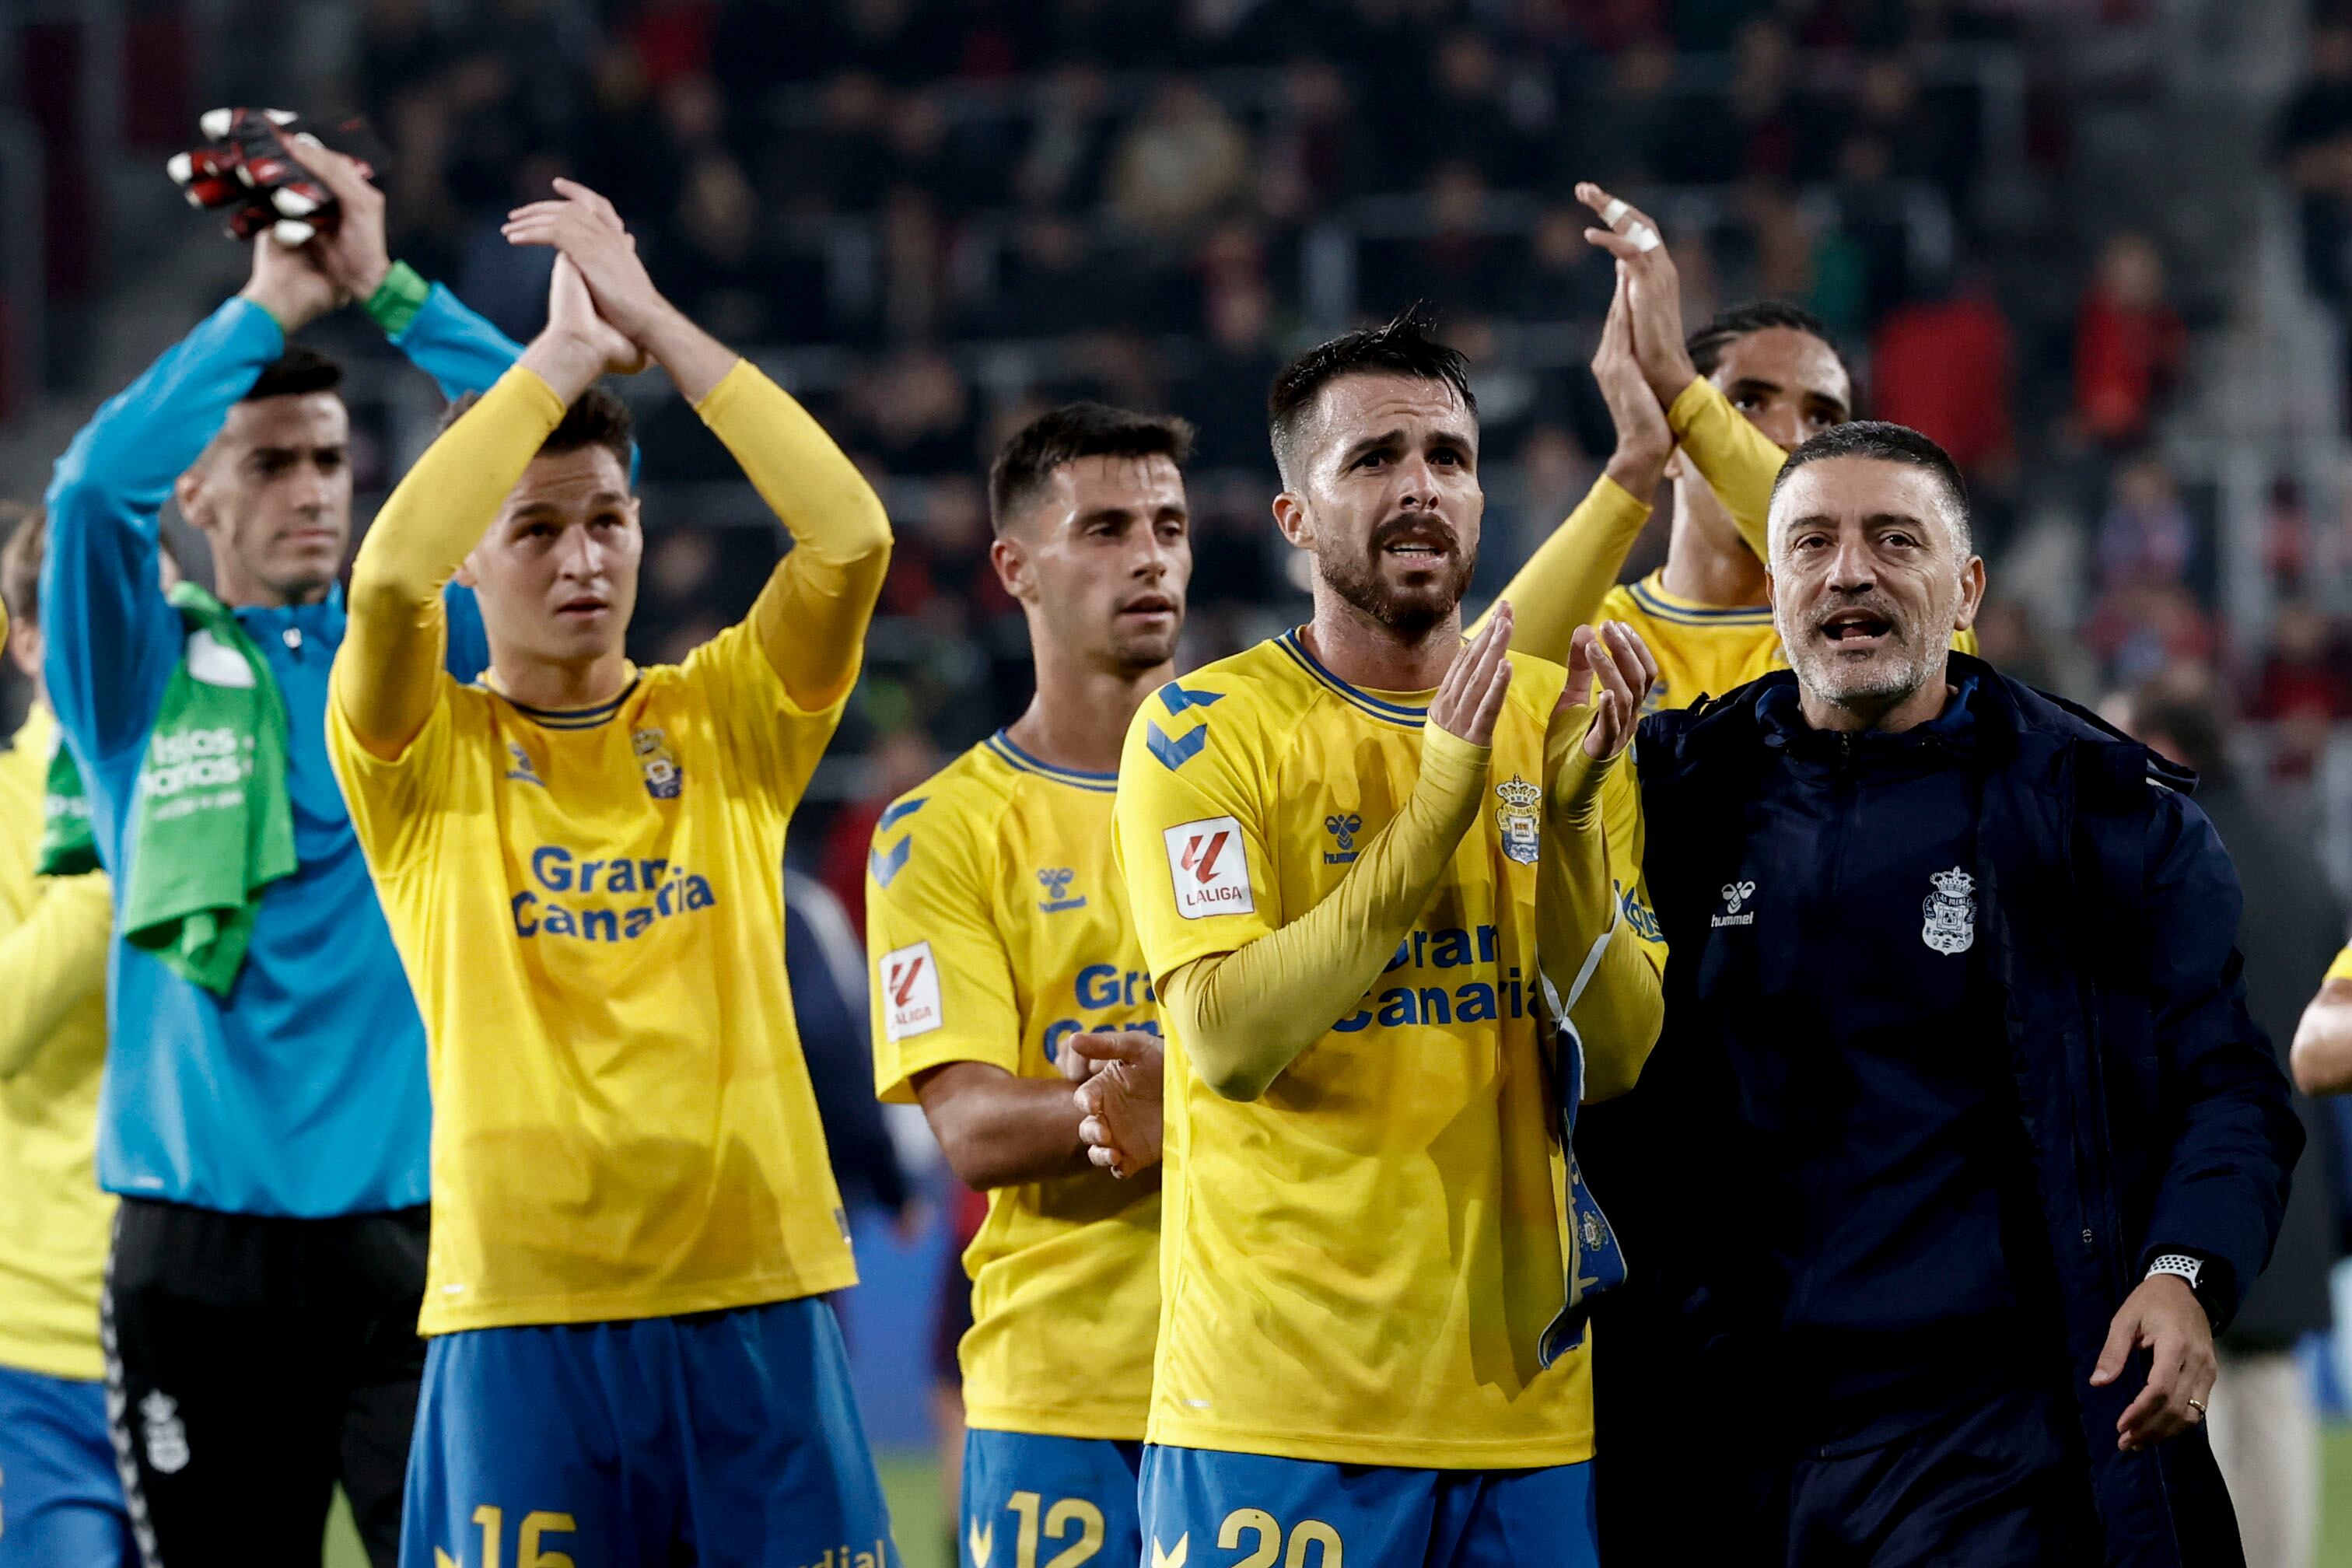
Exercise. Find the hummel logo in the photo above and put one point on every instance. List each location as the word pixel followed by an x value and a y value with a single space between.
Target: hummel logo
pixel 1056 881
pixel 1163 1558
pixel 1735 894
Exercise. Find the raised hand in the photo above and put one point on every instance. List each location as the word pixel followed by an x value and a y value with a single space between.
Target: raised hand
pixel 586 229
pixel 1653 290
pixel 577 345
pixel 1470 697
pixel 1645 441
pixel 289 283
pixel 1614 656
pixel 354 254
pixel 1121 1098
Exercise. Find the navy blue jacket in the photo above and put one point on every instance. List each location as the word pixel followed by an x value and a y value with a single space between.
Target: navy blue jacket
pixel 2154 1110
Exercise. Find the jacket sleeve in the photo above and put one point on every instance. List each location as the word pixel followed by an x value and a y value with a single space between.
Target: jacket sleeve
pixel 111 638
pixel 454 346
pixel 2233 1133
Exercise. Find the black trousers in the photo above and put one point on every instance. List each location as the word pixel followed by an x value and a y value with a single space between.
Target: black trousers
pixel 253 1362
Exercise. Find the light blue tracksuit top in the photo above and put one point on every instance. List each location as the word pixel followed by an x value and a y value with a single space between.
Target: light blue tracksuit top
pixel 302 1092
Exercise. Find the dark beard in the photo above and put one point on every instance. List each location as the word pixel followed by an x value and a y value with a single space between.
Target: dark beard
pixel 1410 613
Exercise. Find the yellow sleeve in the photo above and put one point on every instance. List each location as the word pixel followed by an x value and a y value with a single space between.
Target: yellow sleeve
pixel 811 618
pixel 383 680
pixel 1245 1012
pixel 1190 833
pixel 1596 940
pixel 942 984
pixel 1738 461
pixel 1563 585
pixel 53 962
pixel 2339 970
pixel 395 801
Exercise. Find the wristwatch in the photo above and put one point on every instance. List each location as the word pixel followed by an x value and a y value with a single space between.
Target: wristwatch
pixel 2187 1265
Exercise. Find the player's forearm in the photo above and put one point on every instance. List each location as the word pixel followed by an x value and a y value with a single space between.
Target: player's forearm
pixel 460 349
pixel 111 640
pixel 146 436
pixel 811 618
pixel 1606 977
pixel 1738 461
pixel 384 672
pixel 1246 1015
pixel 1000 1131
pixel 2322 1056
pixel 52 962
pixel 1563 585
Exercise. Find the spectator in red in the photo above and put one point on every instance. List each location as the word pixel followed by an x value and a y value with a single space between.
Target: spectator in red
pixel 902 759
pixel 2128 342
pixel 1943 367
pixel 2303 675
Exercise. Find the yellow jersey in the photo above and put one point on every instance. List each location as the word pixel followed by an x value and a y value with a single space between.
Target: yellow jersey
pixel 53 1220
pixel 997 929
pixel 1704 650
pixel 1356 1266
pixel 2341 969
pixel 589 905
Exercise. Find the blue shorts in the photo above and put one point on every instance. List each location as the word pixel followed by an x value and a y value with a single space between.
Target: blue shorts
pixel 61 1493
pixel 1064 1495
pixel 729 1435
pixel 1202 1509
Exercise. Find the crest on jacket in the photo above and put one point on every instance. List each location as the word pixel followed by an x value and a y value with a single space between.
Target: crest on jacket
pixel 1951 912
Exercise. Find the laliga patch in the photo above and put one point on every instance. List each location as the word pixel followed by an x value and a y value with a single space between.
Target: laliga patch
pixel 1210 868
pixel 910 992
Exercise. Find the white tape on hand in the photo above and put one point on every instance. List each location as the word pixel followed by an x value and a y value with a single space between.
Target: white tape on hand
pixel 1613 211
pixel 1642 236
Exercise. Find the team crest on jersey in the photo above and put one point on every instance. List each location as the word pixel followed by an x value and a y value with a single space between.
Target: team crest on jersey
pixel 522 771
pixel 1522 828
pixel 1951 912
pixel 1057 880
pixel 1343 826
pixel 664 777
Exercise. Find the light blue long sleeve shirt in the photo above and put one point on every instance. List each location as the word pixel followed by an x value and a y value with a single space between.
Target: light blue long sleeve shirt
pixel 302 1092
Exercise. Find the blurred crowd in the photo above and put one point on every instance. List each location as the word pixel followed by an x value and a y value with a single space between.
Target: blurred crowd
pixel 934 217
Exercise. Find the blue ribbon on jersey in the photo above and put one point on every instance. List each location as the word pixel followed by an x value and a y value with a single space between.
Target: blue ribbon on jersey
pixel 1595 1261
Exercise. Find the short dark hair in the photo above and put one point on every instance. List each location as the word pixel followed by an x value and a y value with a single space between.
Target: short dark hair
pixel 1024 465
pixel 1887 442
pixel 1402 347
pixel 597 417
pixel 1728 326
pixel 294 372
pixel 20 560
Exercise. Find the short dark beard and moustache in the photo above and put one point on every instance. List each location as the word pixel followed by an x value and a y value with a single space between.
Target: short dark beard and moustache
pixel 1410 613
pixel 1820 669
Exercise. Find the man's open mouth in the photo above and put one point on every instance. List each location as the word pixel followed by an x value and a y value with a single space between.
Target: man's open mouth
pixel 1856 628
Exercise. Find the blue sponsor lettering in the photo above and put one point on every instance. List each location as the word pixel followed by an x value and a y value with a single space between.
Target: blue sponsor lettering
pixel 557 869
pixel 1480 1000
